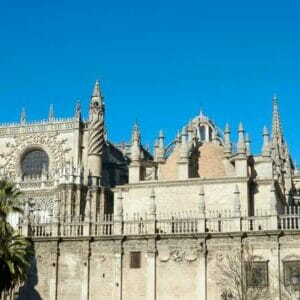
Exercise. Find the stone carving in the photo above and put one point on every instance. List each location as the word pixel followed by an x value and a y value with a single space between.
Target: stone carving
pixel 96 137
pixel 179 255
pixel 193 256
pixel 50 142
pixel 219 256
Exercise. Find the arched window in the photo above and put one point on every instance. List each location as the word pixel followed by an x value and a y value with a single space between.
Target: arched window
pixel 202 133
pixel 34 163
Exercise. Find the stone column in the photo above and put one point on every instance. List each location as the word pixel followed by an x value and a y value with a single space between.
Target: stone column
pixel 85 271
pixel 151 271
pixel 201 278
pixel 53 272
pixel 117 283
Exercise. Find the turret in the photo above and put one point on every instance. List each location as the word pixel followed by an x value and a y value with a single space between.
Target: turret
pixel 78 111
pixel 135 143
pixel 161 148
pixel 266 143
pixel 96 136
pixel 183 163
pixel 241 164
pixel 23 117
pixel 241 147
pixel 247 144
pixel 51 113
pixel 136 155
pixel 227 143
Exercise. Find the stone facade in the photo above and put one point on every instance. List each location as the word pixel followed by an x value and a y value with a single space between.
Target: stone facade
pixel 113 221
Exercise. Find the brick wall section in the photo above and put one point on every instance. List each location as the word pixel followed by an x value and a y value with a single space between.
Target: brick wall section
pixel 210 163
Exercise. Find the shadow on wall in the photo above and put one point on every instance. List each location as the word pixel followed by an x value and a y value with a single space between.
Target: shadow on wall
pixel 28 291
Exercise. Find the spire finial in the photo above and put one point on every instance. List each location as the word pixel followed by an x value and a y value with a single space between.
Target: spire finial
pixel 276 123
pixel 241 147
pixel 23 116
pixel 78 110
pixel 51 113
pixel 97 92
pixel 266 146
pixel 227 143
pixel 97 98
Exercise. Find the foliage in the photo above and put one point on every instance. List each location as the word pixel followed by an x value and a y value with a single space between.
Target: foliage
pixel 16 251
pixel 9 198
pixel 231 276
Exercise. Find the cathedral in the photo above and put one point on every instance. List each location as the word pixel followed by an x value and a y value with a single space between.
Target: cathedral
pixel 200 218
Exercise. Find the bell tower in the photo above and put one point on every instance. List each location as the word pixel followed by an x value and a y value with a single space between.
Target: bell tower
pixel 96 136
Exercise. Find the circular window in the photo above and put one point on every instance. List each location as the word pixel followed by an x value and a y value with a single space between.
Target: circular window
pixel 35 163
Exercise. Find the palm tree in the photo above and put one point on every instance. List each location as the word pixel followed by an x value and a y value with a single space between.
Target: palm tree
pixel 9 198
pixel 16 251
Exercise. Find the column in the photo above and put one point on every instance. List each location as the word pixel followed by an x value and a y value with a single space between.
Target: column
pixel 202 274
pixel 85 271
pixel 151 271
pixel 117 284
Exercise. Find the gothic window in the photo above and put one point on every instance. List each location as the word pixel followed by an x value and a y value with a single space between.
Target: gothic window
pixel 34 163
pixel 257 273
pixel 290 270
pixel 135 260
pixel 202 133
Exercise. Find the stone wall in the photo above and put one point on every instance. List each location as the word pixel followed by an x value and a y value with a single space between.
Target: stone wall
pixel 171 267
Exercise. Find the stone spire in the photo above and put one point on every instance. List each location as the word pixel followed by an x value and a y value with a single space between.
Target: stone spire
pixel 266 143
pixel 51 113
pixel 135 143
pixel 247 144
pixel 119 204
pixel 227 143
pixel 241 147
pixel 237 202
pixel 184 146
pixel 273 200
pixel 201 203
pixel 87 210
pixel 23 117
pixel 78 110
pixel 161 148
pixel 277 135
pixel 96 135
pixel 152 204
pixel 97 97
pixel 190 132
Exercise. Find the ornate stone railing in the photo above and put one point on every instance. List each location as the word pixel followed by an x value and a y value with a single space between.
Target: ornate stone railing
pixel 162 223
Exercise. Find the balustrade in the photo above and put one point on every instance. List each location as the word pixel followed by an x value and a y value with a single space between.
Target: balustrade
pixel 186 222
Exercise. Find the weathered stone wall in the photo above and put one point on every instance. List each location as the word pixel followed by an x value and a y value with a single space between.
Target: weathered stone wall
pixel 181 267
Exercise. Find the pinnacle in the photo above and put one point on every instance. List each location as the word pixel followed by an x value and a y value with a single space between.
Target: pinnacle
pixel 97 92
pixel 236 190
pixel 227 128
pixel 241 127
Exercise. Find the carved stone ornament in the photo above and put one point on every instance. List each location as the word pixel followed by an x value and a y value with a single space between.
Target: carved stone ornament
pixel 236 251
pixel 193 255
pixel 219 256
pixel 164 256
pixel 177 255
pixel 11 158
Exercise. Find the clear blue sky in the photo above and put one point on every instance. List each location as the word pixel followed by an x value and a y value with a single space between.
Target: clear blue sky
pixel 157 61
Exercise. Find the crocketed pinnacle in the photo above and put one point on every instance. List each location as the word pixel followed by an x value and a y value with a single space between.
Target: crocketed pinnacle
pixel 276 123
pixel 97 98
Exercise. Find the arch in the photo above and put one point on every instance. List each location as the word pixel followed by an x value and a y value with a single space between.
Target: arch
pixel 33 161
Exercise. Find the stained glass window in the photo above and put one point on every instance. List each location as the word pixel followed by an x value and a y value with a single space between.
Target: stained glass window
pixel 34 162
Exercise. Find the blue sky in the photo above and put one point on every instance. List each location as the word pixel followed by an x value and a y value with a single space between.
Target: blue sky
pixel 159 62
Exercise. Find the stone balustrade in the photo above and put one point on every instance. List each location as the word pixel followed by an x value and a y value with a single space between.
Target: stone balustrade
pixel 163 223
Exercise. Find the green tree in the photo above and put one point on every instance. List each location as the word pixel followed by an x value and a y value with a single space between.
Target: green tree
pixel 16 251
pixel 9 198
